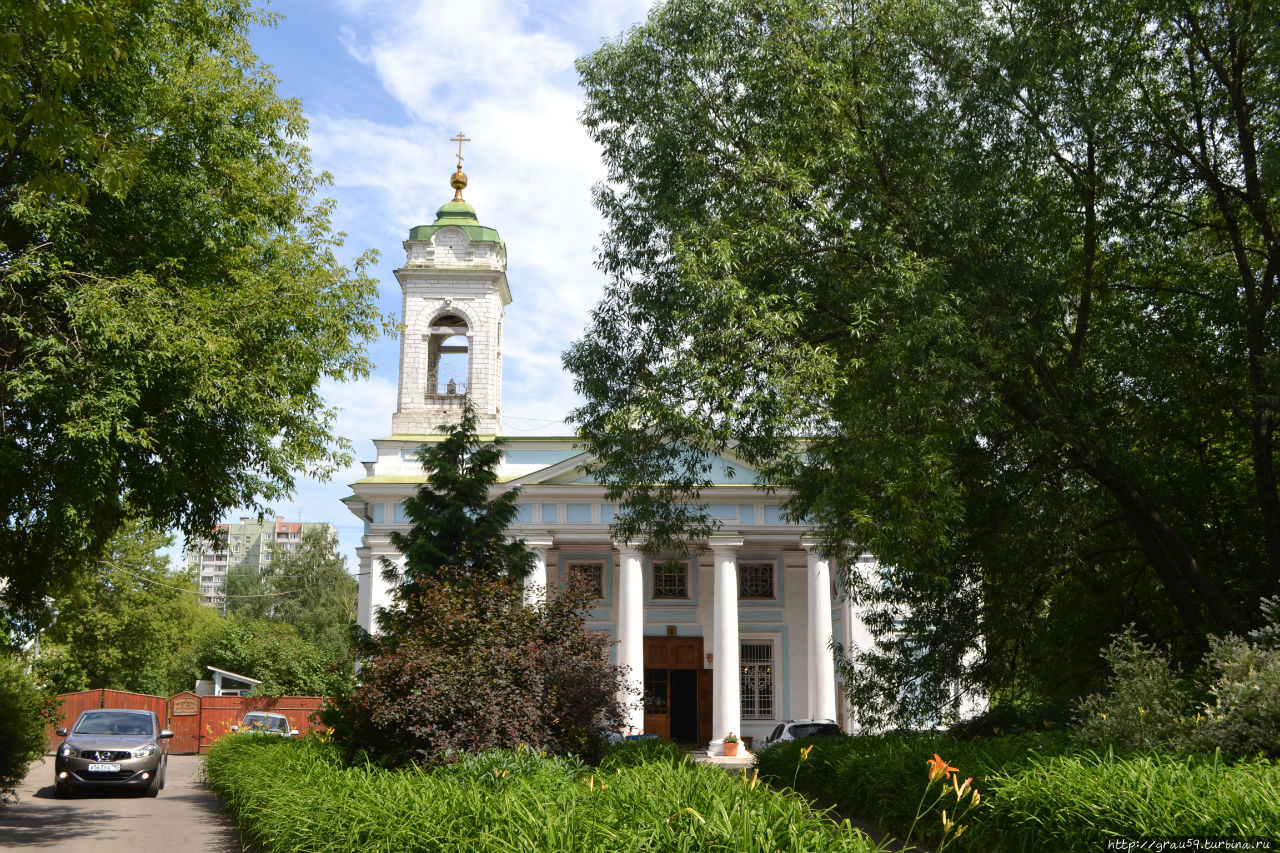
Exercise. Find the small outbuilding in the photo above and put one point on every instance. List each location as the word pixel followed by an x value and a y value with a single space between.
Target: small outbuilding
pixel 225 683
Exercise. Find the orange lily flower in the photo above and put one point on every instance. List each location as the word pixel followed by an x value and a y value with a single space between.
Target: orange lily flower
pixel 939 768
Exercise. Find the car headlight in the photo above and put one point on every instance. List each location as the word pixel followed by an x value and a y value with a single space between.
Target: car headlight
pixel 66 751
pixel 146 751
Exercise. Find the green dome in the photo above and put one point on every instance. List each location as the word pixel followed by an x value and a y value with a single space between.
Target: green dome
pixel 461 214
pixel 456 213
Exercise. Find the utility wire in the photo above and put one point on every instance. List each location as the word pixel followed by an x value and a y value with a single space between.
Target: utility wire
pixel 146 579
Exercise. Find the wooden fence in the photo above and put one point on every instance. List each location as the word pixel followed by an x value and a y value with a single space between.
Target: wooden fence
pixel 196 721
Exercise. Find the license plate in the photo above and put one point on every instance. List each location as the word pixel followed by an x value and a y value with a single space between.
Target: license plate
pixel 104 768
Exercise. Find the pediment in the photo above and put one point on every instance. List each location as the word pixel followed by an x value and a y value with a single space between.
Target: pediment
pixel 725 470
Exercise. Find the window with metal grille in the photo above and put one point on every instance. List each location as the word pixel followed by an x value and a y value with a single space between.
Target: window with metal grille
pixel 757 681
pixel 671 579
pixel 591 573
pixel 755 581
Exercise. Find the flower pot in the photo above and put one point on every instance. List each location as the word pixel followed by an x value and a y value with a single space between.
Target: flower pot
pixel 730 749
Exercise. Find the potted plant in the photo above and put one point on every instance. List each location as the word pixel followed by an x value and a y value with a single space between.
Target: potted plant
pixel 730 745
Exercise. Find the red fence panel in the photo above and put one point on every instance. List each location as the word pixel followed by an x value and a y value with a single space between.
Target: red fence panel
pixel 141 701
pixel 219 713
pixel 70 705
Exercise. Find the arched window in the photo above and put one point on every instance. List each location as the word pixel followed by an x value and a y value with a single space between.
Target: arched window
pixel 448 357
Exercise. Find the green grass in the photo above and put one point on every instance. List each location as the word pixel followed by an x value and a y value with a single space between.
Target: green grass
pixel 1039 792
pixel 297 796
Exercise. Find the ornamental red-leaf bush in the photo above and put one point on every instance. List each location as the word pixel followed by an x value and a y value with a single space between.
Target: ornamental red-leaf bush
pixel 483 670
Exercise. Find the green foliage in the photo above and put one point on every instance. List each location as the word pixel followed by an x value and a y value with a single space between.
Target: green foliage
pixel 271 652
pixel 1147 705
pixel 297 797
pixel 463 664
pixel 170 297
pixel 1038 792
pixel 991 288
pixel 25 712
pixel 1242 717
pixel 308 587
pixel 126 624
pixel 484 671
pixel 637 752
pixel 457 534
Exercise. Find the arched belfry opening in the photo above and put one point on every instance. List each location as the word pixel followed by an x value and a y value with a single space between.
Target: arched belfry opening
pixel 448 358
pixel 454 283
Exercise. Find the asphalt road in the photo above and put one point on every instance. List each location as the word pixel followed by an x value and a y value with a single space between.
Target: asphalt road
pixel 186 816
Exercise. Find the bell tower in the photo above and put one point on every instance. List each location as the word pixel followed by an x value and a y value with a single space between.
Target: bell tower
pixel 454 284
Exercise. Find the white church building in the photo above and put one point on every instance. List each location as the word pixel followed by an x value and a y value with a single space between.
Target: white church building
pixel 737 639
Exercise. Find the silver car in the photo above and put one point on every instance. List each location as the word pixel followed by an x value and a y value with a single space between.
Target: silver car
pixel 266 722
pixel 112 747
pixel 796 729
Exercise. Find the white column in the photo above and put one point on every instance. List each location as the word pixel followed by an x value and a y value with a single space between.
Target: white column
pixel 374 591
pixel 726 678
pixel 364 589
pixel 631 636
pixel 821 667
pixel 860 638
pixel 535 584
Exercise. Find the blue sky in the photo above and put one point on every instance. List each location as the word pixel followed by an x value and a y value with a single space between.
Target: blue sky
pixel 384 85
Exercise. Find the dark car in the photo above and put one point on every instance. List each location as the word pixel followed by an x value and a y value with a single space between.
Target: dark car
pixel 112 747
pixel 266 722
pixel 796 729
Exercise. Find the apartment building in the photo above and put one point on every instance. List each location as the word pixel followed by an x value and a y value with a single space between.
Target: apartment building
pixel 251 542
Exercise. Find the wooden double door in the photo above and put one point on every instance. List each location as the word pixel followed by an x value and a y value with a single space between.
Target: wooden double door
pixel 677 690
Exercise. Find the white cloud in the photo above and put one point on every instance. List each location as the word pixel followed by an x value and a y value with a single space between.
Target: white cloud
pixel 502 72
pixel 504 75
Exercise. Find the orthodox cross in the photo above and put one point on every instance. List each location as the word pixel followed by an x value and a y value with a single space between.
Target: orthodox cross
pixel 460 139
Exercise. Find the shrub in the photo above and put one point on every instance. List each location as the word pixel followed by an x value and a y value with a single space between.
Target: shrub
pixel 25 712
pixel 297 797
pixel 1147 705
pixel 1244 717
pixel 483 672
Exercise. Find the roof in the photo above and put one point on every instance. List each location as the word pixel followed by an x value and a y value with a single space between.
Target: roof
pixel 228 674
pixel 462 215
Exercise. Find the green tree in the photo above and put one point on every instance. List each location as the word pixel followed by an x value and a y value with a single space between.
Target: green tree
pixel 170 296
pixel 457 533
pixel 126 624
pixel 463 663
pixel 308 587
pixel 271 652
pixel 25 711
pixel 990 288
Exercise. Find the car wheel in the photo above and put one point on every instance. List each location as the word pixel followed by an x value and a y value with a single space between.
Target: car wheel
pixel 61 790
pixel 157 782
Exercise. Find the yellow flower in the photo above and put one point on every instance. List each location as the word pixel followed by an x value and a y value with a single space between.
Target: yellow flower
pixel 804 753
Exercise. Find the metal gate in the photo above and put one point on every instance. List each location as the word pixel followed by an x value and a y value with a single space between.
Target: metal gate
pixel 196 721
